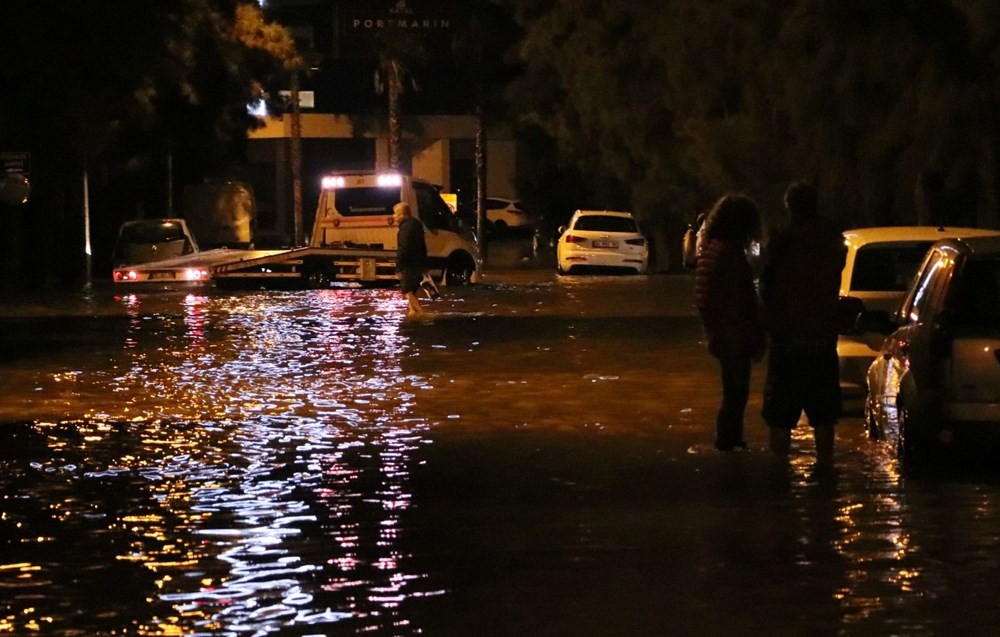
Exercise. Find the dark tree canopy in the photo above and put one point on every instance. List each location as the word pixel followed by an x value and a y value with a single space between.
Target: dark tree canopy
pixel 889 107
pixel 111 89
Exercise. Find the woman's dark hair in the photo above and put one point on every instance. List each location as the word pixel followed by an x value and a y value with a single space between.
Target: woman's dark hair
pixel 735 218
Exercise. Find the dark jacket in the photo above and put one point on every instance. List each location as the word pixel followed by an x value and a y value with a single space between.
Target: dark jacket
pixel 726 299
pixel 800 282
pixel 411 249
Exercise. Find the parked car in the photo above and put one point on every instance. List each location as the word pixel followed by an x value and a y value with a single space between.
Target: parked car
pixel 507 214
pixel 881 262
pixel 937 375
pixel 502 215
pixel 600 239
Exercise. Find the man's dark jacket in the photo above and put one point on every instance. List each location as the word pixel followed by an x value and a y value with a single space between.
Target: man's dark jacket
pixel 411 249
pixel 800 283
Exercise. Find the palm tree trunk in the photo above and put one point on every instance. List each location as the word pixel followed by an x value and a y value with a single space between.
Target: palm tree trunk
pixel 296 158
pixel 395 88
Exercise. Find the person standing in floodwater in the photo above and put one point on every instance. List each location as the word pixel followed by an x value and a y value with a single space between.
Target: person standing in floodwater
pixel 411 256
pixel 727 303
pixel 800 288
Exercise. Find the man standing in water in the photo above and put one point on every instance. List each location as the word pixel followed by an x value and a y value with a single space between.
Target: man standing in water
pixel 411 256
pixel 800 287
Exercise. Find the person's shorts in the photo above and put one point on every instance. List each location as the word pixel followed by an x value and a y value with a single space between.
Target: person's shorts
pixel 803 374
pixel 409 279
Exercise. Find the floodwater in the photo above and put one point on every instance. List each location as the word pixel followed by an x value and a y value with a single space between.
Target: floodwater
pixel 534 460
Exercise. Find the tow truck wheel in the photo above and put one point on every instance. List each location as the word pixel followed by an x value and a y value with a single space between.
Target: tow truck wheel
pixel 459 269
pixel 317 280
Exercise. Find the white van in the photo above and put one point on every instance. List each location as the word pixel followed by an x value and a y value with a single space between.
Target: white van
pixel 355 211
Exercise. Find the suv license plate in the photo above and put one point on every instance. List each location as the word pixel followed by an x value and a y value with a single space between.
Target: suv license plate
pixel 605 244
pixel 161 275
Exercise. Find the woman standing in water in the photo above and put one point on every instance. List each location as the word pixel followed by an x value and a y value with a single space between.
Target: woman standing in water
pixel 727 303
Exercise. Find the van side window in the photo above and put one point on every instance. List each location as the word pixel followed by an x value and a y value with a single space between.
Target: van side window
pixel 887 267
pixel 432 209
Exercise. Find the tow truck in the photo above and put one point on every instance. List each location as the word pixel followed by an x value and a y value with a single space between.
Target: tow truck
pixel 353 241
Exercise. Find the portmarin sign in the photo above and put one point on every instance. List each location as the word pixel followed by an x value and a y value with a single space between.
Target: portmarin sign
pixel 400 15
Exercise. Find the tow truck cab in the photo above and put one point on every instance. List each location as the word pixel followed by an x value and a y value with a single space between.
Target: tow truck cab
pixel 355 211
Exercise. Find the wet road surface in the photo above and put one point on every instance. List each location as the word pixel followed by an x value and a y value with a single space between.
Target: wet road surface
pixel 534 460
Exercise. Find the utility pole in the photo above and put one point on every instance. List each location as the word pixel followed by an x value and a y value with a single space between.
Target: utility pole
pixel 481 141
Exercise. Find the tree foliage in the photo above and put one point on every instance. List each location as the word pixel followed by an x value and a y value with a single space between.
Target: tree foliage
pixel 888 107
pixel 95 85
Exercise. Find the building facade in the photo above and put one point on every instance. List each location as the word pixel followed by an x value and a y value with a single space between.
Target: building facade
pixel 344 118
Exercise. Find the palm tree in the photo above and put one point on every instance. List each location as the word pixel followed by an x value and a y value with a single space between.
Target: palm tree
pixel 487 31
pixel 399 53
pixel 391 77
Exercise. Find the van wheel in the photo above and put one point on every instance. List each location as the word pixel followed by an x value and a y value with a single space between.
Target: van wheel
pixel 459 269
pixel 912 445
pixel 871 420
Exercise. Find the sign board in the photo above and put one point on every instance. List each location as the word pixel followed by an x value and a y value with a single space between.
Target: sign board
pixel 16 162
pixel 361 25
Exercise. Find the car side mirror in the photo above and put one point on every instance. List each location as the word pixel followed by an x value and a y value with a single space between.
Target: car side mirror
pixel 848 310
pixel 561 229
pixel 875 321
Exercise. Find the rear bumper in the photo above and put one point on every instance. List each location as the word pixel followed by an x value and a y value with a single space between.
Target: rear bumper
pixel 597 259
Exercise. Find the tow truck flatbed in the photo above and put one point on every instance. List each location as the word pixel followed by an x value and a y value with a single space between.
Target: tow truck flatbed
pixel 294 268
pixel 353 241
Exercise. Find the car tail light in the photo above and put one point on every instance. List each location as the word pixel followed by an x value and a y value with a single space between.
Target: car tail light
pixel 635 242
pixel 571 238
pixel 196 274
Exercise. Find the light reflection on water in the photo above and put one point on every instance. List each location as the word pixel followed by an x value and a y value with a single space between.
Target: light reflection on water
pixel 534 459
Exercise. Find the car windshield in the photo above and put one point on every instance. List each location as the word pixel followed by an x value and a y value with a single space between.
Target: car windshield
pixel 605 223
pixel 887 267
pixel 153 232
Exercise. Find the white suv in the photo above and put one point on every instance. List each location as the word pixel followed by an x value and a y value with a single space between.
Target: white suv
pixel 938 372
pixel 602 240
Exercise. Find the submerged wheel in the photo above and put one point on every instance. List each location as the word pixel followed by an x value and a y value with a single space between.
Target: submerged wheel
pixel 317 280
pixel 871 420
pixel 911 444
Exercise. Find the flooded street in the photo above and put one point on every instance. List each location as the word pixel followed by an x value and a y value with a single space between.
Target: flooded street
pixel 534 460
